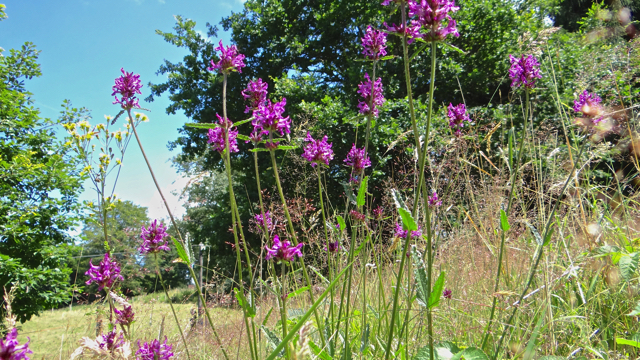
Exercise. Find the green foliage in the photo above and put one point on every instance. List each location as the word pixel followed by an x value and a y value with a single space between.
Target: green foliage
pixel 39 185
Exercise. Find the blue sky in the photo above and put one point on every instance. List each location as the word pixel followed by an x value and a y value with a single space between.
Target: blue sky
pixel 84 43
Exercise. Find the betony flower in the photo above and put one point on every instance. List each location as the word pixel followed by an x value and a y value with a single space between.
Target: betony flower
pixel 127 86
pixel 216 136
pixel 447 294
pixel 364 89
pixel 589 105
pixel 431 14
pixel 105 274
pixel 124 317
pixel 10 348
pixel 261 222
pixel 229 61
pixel 154 350
pixel 434 200
pixel 269 120
pixel 457 116
pixel 153 238
pixel 355 158
pixel 317 151
pixel 333 246
pixel 524 71
pixel 282 251
pixel 401 233
pixel 256 94
pixel 357 216
pixel 377 212
pixel 373 43
pixel 412 31
pixel 110 341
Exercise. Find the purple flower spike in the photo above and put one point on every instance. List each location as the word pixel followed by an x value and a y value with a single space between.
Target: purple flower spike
pixel 282 251
pixel 230 60
pixel 261 222
pixel 256 94
pixel 127 86
pixel 333 247
pixel 589 105
pixel 105 274
pixel 524 71
pixel 412 31
pixel 317 151
pixel 447 294
pixel 110 341
pixel 154 350
pixel 434 200
pixel 373 43
pixel 431 15
pixel 216 136
pixel 355 158
pixel 153 238
pixel 457 116
pixel 10 348
pixel 268 120
pixel 124 317
pixel 401 233
pixel 364 89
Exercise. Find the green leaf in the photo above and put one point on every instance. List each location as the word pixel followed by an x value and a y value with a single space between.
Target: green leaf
pixel 242 122
pixel 286 147
pixel 442 351
pixel 454 48
pixel 628 265
pixel 397 199
pixel 536 234
pixel 422 290
pixel 202 125
pixel 341 222
pixel 297 292
pixel 636 311
pixel 529 352
pixel 436 294
pixel 504 222
pixel 259 149
pixel 407 219
pixel 274 341
pixel 388 57
pixel 266 318
pixel 472 353
pixel 181 252
pixel 547 238
pixel 362 192
pixel 324 279
pixel 319 352
pixel 242 301
pixel 620 341
pixel 243 137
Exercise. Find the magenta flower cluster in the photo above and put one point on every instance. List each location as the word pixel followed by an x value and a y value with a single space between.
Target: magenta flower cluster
pixel 431 15
pixel 127 86
pixel 370 92
pixel 124 317
pixel 447 294
pixel 10 348
pixel 105 274
pixel 264 222
pixel 230 60
pixel 216 136
pixel 282 251
pixel 356 159
pixel 412 31
pixel 256 94
pixel 155 350
pixel 110 341
pixel 524 71
pixel 153 238
pixel 401 233
pixel 374 43
pixel 457 116
pixel 589 105
pixel 269 120
pixel 433 200
pixel 317 151
pixel 333 246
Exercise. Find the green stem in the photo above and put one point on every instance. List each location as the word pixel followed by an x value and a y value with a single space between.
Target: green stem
pixel 283 295
pixel 326 236
pixel 370 115
pixel 509 204
pixel 295 243
pixel 175 226
pixel 184 341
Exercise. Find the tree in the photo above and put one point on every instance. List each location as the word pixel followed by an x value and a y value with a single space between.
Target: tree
pixel 39 186
pixel 124 223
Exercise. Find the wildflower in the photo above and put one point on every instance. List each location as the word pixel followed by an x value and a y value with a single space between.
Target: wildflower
pixel 256 93
pixel 412 31
pixel 216 136
pixel 109 346
pixel 105 274
pixel 261 221
pixel 153 238
pixel 373 43
pixel 269 120
pixel 457 116
pixel 447 294
pixel 10 348
pixel 356 159
pixel 229 61
pixel 401 233
pixel 431 14
pixel 333 247
pixel 110 341
pixel 434 200
pixel 283 251
pixel 124 317
pixel 317 151
pixel 387 2
pixel 357 216
pixel 524 71
pixel 589 105
pixel 154 350
pixel 127 85
pixel 377 212
pixel 364 89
